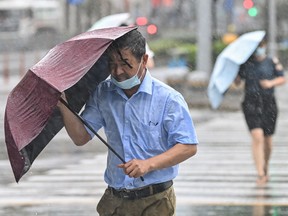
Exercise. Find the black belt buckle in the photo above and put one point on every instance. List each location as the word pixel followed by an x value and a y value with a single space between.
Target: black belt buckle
pixel 127 194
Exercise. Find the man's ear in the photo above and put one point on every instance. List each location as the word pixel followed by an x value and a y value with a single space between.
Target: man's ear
pixel 145 59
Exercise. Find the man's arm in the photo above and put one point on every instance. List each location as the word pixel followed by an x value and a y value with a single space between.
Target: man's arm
pixel 74 127
pixel 177 154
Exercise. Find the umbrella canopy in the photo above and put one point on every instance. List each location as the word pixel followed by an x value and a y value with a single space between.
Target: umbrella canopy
pixel 228 62
pixel 31 118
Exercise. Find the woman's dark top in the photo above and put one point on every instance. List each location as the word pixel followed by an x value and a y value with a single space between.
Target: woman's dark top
pixel 259 106
pixel 254 71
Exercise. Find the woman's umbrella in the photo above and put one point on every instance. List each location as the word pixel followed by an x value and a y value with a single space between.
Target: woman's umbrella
pixel 31 117
pixel 228 62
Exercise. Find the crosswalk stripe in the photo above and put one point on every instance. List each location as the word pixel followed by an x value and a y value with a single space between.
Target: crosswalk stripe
pixel 221 173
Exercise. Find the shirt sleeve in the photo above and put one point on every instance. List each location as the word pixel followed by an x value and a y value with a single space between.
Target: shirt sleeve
pixel 277 73
pixel 92 114
pixel 178 122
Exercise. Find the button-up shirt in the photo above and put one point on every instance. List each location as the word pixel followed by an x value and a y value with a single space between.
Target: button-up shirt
pixel 147 124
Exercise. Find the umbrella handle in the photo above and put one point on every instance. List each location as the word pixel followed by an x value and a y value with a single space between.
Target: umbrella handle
pixel 94 132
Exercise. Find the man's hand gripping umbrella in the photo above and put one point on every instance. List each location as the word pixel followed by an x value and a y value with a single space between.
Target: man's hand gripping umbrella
pixel 94 132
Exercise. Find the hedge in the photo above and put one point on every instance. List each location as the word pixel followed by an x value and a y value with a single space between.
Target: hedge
pixel 167 49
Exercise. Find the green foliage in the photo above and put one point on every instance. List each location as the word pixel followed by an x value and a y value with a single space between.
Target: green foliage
pixel 161 46
pixel 218 47
pixel 167 49
pixel 189 51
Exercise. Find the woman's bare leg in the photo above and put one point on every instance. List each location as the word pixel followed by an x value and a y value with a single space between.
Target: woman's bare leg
pixel 258 154
pixel 267 154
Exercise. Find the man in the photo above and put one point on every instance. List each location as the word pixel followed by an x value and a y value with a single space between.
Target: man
pixel 146 122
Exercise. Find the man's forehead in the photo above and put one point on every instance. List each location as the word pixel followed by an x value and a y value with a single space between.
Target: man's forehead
pixel 121 56
pixel 123 53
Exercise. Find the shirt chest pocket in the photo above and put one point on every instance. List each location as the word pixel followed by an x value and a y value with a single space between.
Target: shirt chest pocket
pixel 151 135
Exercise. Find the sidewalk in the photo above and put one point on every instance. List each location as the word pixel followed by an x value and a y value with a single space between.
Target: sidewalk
pixel 7 84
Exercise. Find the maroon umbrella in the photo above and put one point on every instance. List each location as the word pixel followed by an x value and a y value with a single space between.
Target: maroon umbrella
pixel 31 118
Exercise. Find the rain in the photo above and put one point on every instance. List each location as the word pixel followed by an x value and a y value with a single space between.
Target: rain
pixel 194 48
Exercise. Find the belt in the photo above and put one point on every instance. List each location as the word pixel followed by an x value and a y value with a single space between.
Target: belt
pixel 141 192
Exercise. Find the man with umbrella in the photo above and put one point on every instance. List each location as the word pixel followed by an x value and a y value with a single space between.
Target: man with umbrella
pixel 261 74
pixel 146 122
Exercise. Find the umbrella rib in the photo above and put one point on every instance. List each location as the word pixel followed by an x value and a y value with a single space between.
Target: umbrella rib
pixel 90 128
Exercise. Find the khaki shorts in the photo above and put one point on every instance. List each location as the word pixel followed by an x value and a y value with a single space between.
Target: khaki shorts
pixel 163 203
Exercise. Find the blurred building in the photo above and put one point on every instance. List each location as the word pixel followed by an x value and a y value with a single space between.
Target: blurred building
pixel 23 19
pixel 173 18
pixel 180 15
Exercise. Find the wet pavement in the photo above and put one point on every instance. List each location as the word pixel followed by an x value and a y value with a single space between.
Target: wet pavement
pixel 219 180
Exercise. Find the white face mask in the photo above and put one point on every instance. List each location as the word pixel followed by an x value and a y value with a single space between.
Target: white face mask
pixel 260 51
pixel 129 83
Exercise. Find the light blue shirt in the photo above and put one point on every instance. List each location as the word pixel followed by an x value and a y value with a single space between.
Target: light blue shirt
pixel 149 123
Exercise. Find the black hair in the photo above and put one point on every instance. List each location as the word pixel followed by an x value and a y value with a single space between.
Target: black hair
pixel 264 40
pixel 134 41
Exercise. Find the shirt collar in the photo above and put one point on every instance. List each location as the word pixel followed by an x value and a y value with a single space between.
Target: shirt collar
pixel 146 85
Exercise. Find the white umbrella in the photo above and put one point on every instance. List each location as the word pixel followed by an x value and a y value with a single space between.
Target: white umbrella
pixel 113 20
pixel 228 62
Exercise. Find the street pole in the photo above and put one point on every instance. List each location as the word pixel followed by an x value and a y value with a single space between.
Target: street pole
pixel 127 6
pixel 272 28
pixel 72 19
pixel 204 36
pixel 67 17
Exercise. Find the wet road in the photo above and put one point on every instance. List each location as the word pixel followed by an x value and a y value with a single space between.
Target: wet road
pixel 219 180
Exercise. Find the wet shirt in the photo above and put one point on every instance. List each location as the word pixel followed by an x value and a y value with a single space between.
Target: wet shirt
pixel 254 71
pixel 149 123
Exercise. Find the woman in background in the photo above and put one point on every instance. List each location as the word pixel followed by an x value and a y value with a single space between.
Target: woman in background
pixel 261 74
